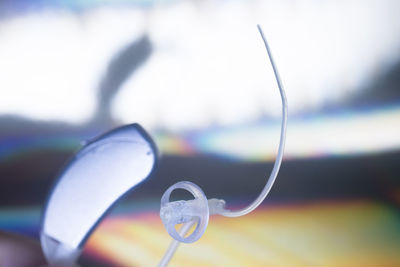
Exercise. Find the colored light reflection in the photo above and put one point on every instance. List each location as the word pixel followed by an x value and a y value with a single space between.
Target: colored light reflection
pixel 357 233
pixel 336 134
pixel 337 233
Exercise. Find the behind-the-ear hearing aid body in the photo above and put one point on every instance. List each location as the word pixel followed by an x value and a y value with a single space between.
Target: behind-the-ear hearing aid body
pixel 101 173
pixel 197 211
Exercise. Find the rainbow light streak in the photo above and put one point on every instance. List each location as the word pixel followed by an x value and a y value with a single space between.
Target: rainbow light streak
pixel 336 233
pixel 346 133
pixel 19 146
pixel 22 220
pixel 356 233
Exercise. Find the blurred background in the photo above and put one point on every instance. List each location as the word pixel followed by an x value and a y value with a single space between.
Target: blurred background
pixel 196 75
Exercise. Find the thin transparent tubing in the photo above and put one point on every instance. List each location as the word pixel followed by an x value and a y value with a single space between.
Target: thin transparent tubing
pixel 278 161
pixel 186 227
pixel 173 246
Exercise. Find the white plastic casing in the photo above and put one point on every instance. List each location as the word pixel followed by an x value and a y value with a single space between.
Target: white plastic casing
pixel 100 173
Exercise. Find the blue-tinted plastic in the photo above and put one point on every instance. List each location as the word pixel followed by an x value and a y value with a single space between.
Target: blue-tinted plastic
pixel 100 173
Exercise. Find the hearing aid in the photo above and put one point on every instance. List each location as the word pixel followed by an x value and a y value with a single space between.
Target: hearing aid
pixel 99 175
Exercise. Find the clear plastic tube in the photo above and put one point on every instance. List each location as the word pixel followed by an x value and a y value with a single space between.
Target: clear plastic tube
pixel 173 246
pixel 177 212
pixel 278 161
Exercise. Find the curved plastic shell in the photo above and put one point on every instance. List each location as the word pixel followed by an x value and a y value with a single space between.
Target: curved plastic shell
pixel 100 173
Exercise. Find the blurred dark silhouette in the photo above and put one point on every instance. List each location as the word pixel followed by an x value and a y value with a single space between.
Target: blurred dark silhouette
pixel 23 175
pixel 121 67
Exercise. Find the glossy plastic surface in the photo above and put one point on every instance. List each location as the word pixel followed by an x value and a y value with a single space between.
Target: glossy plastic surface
pixel 100 173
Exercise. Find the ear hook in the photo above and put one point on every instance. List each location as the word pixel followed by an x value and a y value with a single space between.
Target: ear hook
pixel 199 209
